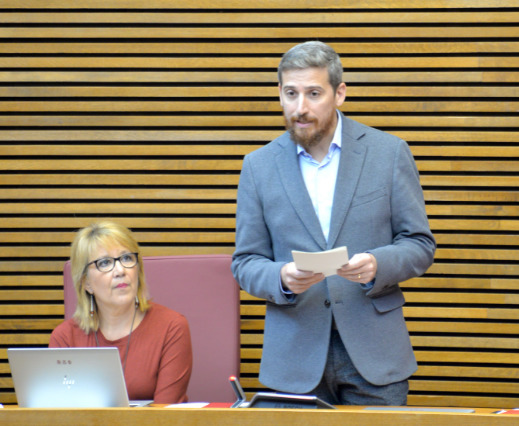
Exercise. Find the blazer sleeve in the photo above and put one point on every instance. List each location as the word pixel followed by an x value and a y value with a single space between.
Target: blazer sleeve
pixel 412 250
pixel 253 263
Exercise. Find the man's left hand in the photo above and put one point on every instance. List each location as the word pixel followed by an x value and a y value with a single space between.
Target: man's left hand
pixel 362 268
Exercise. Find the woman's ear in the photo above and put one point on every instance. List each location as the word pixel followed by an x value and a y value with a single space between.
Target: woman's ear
pixel 87 287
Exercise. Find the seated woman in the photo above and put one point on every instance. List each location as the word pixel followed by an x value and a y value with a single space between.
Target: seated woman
pixel 113 309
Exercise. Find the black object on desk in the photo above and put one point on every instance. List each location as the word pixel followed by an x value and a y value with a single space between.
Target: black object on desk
pixel 275 400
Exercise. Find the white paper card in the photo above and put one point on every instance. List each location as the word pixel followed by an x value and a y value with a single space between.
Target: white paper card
pixel 188 405
pixel 326 262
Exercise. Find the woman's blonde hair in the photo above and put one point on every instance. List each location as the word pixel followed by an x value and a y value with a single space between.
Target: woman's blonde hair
pixel 101 234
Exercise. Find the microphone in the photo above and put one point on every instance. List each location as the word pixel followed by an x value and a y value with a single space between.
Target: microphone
pixel 238 390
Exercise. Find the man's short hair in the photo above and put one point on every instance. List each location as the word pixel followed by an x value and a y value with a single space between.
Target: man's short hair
pixel 312 54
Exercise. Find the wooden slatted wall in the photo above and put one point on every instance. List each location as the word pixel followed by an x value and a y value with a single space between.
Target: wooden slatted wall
pixel 142 111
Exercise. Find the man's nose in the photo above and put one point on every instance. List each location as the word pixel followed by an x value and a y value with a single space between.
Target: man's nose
pixel 302 105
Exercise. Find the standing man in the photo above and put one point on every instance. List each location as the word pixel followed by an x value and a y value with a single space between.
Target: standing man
pixel 329 182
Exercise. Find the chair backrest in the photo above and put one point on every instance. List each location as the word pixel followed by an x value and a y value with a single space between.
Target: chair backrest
pixel 202 288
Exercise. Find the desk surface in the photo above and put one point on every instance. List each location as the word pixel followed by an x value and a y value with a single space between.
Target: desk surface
pixel 159 416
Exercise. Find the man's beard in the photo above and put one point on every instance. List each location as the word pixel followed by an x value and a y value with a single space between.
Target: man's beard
pixel 305 138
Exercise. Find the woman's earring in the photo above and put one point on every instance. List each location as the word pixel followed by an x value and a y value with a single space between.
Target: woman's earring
pixel 136 302
pixel 91 305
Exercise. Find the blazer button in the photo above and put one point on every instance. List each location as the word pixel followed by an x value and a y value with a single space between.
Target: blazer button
pixel 327 303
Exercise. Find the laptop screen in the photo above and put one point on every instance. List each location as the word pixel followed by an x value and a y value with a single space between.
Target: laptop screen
pixel 68 377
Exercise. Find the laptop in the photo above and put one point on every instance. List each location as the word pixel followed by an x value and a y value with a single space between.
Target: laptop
pixel 69 377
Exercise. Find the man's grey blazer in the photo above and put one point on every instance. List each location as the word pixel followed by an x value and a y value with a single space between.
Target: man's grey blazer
pixel 379 208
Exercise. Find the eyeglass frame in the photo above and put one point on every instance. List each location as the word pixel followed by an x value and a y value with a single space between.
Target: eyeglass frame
pixel 115 259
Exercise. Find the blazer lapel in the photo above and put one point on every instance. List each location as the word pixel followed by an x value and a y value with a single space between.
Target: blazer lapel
pixel 295 189
pixel 350 166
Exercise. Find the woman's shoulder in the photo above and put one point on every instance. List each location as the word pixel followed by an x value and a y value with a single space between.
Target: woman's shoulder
pixel 163 321
pixel 161 313
pixel 67 326
pixel 68 334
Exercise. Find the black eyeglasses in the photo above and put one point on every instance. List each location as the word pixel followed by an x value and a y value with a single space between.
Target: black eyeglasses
pixel 106 264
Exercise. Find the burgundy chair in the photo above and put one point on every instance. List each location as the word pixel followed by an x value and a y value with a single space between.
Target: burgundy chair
pixel 202 288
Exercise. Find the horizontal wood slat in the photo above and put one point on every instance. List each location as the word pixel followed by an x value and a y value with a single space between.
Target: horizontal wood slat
pixel 248 77
pixel 263 4
pixel 265 48
pixel 142 112
pixel 479 313
pixel 202 150
pixel 357 32
pixel 454 372
pixel 243 121
pixel 461 401
pixel 427 135
pixel 435 342
pixel 52 93
pixel 248 18
pixel 249 62
pixel 133 151
pixel 28 324
pixel 250 106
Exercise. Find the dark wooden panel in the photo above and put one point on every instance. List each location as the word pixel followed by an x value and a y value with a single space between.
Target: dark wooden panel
pixel 142 112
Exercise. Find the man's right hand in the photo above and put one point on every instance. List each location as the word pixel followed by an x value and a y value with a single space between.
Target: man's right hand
pixel 298 281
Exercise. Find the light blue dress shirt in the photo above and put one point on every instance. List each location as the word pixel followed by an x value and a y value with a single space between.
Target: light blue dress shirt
pixel 320 181
pixel 320 178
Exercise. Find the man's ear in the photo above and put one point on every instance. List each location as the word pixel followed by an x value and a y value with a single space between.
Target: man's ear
pixel 280 97
pixel 340 94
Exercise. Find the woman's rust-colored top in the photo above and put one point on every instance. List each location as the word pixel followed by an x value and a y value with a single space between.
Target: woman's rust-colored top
pixel 159 360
